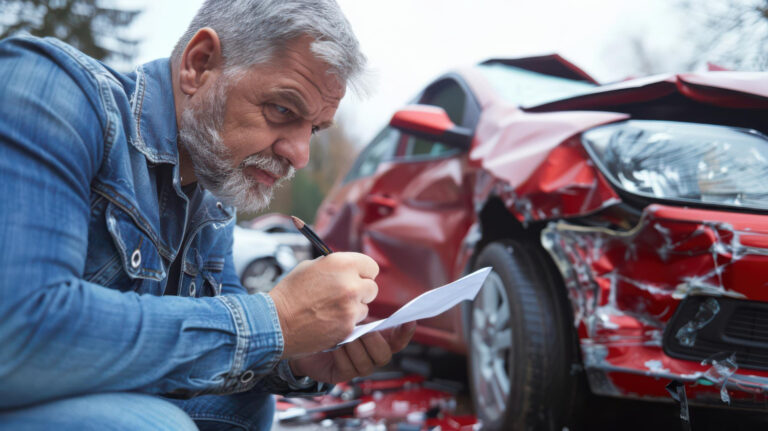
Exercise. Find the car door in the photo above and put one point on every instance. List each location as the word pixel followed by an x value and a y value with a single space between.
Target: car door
pixel 413 219
pixel 406 202
pixel 339 218
pixel 419 208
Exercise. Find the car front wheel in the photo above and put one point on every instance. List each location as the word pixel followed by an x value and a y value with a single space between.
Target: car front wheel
pixel 522 345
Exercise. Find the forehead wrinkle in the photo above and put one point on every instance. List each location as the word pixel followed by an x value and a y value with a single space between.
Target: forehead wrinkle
pixel 297 99
pixel 327 79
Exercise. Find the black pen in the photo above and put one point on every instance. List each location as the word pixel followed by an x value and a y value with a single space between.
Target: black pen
pixel 311 236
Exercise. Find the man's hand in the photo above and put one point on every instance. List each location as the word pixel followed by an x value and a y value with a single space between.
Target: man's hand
pixel 320 301
pixel 357 358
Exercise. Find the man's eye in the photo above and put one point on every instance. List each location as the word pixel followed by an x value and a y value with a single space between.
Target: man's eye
pixel 279 114
pixel 282 110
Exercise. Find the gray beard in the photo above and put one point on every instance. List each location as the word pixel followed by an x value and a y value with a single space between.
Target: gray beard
pixel 199 136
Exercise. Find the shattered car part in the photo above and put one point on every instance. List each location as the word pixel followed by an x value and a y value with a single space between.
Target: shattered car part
pixel 382 402
pixel 624 287
pixel 687 334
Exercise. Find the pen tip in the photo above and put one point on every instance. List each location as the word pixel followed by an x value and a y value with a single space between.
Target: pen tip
pixel 297 222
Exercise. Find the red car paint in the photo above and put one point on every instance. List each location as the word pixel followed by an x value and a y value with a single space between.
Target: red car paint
pixel 419 220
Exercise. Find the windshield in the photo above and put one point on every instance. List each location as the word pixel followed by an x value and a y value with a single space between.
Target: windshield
pixel 525 88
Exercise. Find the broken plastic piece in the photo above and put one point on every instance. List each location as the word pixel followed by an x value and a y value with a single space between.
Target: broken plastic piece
pixel 686 335
pixel 723 367
pixel 677 391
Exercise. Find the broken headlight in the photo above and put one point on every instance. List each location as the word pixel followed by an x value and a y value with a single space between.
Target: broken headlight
pixel 684 161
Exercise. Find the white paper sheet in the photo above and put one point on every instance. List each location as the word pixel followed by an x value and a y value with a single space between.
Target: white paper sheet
pixel 428 304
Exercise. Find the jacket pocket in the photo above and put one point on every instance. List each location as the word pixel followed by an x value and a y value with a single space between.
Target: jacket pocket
pixel 137 253
pixel 212 274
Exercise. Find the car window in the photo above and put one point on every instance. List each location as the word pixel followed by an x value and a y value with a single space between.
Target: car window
pixel 448 95
pixel 380 149
pixel 424 148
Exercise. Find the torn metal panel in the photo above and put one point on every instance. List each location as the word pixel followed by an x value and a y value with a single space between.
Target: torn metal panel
pixel 727 89
pixel 624 287
pixel 531 162
pixel 566 185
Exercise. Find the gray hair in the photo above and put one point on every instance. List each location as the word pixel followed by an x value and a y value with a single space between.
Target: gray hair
pixel 254 31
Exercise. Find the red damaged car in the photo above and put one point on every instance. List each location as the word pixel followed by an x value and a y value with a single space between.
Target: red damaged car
pixel 626 226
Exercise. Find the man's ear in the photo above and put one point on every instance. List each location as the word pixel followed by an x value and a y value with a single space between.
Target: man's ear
pixel 200 60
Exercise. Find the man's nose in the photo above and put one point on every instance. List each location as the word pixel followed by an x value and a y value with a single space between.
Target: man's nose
pixel 294 146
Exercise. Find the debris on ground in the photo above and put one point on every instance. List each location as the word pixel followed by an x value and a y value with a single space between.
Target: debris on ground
pixel 382 402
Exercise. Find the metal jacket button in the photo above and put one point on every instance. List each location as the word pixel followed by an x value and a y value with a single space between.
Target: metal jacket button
pixel 247 376
pixel 136 258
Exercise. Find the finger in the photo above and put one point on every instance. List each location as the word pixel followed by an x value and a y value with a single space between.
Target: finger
pixel 344 370
pixel 366 266
pixel 378 348
pixel 360 359
pixel 399 337
pixel 368 290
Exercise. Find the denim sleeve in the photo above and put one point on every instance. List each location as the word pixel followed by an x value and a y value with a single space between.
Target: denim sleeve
pixel 60 335
pixel 230 281
pixel 281 379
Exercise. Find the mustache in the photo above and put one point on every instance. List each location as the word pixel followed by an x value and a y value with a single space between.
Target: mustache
pixel 275 165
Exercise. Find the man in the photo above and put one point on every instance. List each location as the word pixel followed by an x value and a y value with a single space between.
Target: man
pixel 120 307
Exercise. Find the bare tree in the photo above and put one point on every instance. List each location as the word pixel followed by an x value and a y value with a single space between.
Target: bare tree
pixel 92 26
pixel 730 33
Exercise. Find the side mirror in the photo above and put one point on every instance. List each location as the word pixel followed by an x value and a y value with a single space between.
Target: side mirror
pixel 431 122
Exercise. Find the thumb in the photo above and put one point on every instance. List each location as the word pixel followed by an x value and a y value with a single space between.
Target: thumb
pixel 398 337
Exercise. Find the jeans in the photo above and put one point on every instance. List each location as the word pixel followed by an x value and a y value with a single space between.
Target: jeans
pixel 251 410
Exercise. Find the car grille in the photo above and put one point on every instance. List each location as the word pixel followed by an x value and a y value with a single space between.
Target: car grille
pixel 738 327
pixel 748 324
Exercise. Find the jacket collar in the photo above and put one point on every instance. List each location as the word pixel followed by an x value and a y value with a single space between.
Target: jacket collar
pixel 154 113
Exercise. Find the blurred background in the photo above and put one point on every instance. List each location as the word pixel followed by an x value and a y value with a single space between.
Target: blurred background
pixel 410 42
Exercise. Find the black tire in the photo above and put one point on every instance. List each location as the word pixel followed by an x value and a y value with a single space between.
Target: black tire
pixel 546 390
pixel 261 275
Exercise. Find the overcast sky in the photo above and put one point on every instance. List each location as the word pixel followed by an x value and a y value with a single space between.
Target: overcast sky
pixel 410 42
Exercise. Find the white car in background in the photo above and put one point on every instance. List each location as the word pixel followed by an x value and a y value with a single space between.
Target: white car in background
pixel 260 259
pixel 281 227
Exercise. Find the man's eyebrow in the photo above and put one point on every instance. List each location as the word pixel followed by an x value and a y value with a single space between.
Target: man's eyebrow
pixel 294 99
pixel 325 125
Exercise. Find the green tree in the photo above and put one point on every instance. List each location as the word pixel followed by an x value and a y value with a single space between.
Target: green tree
pixel 95 27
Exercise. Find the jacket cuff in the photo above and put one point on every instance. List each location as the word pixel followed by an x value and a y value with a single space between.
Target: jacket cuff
pixel 259 343
pixel 283 382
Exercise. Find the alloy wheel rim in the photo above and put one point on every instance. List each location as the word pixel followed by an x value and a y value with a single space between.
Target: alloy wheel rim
pixel 261 278
pixel 491 343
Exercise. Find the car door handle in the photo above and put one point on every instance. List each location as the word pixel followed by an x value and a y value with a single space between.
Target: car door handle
pixel 378 206
pixel 381 201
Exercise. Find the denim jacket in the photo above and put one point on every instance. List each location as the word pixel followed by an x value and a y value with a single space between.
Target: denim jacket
pixel 91 217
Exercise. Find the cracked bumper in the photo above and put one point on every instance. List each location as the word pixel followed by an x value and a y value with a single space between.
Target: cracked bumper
pixel 625 286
